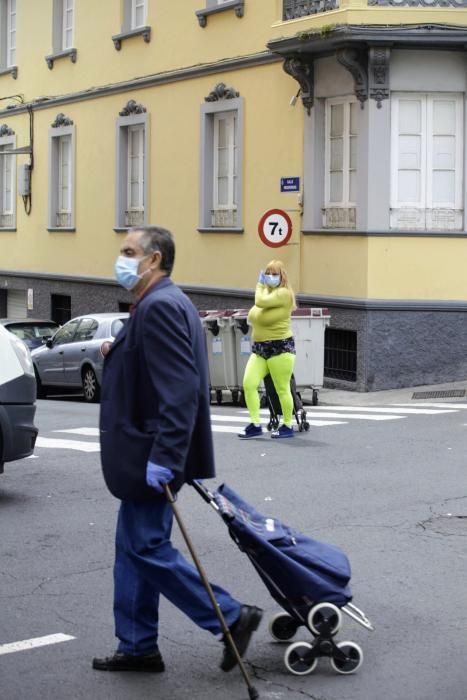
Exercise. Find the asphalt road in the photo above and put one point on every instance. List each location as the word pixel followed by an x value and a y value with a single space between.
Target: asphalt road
pixel 392 494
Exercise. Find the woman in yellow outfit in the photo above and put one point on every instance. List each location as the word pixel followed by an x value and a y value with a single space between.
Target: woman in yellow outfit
pixel 273 348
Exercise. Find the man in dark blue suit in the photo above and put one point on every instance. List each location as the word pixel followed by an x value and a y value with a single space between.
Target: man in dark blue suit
pixel 155 429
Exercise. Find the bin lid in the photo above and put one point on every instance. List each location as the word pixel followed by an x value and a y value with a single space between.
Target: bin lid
pixel 313 312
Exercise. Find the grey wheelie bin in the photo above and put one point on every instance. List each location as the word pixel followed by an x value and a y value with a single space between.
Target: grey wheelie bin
pixel 242 333
pixel 220 343
pixel 308 327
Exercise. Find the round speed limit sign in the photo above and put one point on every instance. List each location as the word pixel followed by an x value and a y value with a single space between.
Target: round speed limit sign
pixel 275 228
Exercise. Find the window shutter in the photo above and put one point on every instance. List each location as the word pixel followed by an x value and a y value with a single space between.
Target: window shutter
pixel 225 169
pixel 444 181
pixel 67 21
pixel 427 168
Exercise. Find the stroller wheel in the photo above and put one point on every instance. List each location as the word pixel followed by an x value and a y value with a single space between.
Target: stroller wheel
pixel 324 619
pixel 299 659
pixel 269 426
pixel 353 658
pixel 306 425
pixel 283 627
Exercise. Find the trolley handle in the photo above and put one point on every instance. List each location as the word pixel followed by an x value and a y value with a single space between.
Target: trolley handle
pixel 205 494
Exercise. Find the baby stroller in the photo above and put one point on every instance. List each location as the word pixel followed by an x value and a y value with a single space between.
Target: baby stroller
pixel 275 409
pixel 307 578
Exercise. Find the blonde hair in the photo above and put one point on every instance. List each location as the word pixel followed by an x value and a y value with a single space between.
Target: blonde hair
pixel 276 267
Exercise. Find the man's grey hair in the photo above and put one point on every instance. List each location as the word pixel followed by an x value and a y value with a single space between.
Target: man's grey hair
pixel 155 238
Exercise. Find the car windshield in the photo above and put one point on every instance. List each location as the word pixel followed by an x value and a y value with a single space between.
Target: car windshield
pixel 29 331
pixel 117 326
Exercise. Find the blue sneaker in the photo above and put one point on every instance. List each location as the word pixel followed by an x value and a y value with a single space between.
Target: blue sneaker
pixel 283 432
pixel 251 431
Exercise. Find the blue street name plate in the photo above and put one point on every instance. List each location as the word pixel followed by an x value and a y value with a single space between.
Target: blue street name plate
pixel 290 184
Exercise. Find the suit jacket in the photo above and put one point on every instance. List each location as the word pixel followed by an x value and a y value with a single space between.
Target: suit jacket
pixel 155 396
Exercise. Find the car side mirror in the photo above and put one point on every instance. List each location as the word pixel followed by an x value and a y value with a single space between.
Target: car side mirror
pixel 49 342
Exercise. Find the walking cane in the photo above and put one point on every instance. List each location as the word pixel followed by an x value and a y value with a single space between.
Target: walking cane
pixel 252 692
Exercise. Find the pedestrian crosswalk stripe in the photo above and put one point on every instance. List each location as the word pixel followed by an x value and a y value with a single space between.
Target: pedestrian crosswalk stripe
pixel 351 409
pixel 232 429
pixel 327 414
pixel 58 444
pixel 316 416
pixel 434 405
pixel 91 432
pixel 34 643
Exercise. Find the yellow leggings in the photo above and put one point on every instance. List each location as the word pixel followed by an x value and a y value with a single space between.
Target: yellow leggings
pixel 280 368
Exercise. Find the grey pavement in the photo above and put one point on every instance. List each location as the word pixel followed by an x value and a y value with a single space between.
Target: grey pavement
pixel 373 398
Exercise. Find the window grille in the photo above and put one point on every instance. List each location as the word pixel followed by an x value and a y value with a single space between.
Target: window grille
pixel 340 354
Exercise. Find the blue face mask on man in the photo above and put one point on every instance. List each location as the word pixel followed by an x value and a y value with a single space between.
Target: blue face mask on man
pixel 126 271
pixel 272 280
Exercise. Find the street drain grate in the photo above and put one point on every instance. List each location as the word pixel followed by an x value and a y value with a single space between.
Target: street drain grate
pixel 450 394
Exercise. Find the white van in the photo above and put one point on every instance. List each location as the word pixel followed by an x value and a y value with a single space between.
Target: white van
pixel 17 399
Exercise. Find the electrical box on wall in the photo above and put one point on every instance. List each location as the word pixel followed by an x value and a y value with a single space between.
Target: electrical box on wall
pixel 24 180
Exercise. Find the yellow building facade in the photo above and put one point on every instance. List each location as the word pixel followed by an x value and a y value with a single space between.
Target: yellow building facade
pixel 203 115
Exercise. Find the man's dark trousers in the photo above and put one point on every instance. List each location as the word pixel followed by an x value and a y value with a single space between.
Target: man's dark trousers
pixel 147 565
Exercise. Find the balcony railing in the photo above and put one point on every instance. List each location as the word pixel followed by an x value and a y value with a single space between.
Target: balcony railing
pixel 292 9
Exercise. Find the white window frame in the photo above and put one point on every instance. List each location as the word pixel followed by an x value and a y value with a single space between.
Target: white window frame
pixel 7 215
pixel 126 215
pixel 11 33
pixel 427 214
pixel 135 5
pixel 61 215
pixel 215 216
pixel 339 214
pixel 225 214
pixel 68 8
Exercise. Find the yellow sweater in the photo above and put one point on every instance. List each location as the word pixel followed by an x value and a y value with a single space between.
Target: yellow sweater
pixel 270 316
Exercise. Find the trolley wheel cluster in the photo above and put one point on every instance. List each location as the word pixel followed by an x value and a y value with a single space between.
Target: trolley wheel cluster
pixel 324 621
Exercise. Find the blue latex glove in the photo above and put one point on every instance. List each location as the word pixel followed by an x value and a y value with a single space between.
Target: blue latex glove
pixel 261 277
pixel 157 476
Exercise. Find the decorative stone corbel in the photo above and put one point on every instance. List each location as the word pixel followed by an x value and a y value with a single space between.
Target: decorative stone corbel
pixel 132 107
pixel 378 73
pixel 6 131
pixel 356 62
pixel 303 72
pixel 221 92
pixel 61 120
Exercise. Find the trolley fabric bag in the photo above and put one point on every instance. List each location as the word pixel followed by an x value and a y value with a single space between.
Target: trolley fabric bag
pixel 290 564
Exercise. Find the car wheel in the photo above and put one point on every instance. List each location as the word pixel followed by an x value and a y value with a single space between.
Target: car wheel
pixel 91 388
pixel 40 391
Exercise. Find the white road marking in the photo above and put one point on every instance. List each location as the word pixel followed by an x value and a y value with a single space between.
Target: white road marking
pixel 355 416
pixel 233 429
pixel 434 405
pixel 32 457
pixel 91 432
pixel 319 409
pixel 58 444
pixel 317 416
pixel 33 643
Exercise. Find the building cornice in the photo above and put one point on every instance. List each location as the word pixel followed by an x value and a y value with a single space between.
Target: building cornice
pixel 153 80
pixel 314 43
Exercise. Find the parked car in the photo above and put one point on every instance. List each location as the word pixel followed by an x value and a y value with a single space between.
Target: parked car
pixel 31 331
pixel 74 356
pixel 17 399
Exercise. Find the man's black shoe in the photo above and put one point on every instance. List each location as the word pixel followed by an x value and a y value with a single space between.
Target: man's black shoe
pixel 241 632
pixel 147 663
